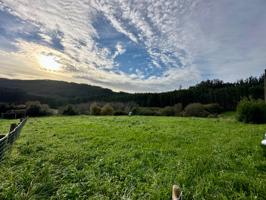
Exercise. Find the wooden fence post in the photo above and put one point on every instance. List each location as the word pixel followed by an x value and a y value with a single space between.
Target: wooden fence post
pixel 7 140
pixel 12 127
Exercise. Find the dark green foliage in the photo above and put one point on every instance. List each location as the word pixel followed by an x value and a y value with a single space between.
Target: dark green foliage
pixel 4 107
pixel 175 110
pixel 148 111
pixel 167 111
pixel 95 109
pixel 12 95
pixel 195 110
pixel 251 111
pixel 83 108
pixel 120 113
pixel 56 93
pixel 178 109
pixel 35 109
pixel 213 108
pixel 69 110
pixel 107 109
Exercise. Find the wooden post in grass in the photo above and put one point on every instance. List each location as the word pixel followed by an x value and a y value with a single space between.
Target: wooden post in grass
pixel 12 127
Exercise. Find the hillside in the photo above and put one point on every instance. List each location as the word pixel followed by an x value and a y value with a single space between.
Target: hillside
pixel 49 91
pixel 58 93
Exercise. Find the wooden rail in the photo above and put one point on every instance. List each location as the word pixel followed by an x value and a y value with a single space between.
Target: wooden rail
pixel 8 139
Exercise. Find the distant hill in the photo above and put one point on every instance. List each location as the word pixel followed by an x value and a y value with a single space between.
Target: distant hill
pixel 49 91
pixel 58 93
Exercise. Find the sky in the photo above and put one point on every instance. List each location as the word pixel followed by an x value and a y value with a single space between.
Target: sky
pixel 133 45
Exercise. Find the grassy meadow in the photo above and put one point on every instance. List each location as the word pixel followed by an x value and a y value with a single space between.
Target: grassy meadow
pixel 86 157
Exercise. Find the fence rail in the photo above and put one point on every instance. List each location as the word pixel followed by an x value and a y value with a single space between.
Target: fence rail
pixel 8 139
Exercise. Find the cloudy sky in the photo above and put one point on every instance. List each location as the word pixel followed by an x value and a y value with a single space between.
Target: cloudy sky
pixel 132 45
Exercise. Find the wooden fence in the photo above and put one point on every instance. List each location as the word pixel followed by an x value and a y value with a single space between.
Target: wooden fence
pixel 8 139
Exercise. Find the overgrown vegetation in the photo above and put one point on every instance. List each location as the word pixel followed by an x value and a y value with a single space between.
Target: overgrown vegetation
pixel 69 110
pixel 196 110
pixel 95 109
pixel 35 109
pixel 251 111
pixel 86 157
pixel 56 93
pixel 206 99
pixel 107 109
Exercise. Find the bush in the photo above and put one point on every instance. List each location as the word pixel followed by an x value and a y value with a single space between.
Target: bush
pixel 120 112
pixel 148 111
pixel 69 110
pixel 95 109
pixel 178 108
pixel 4 107
pixel 213 108
pixel 251 111
pixel 195 110
pixel 168 111
pixel 83 108
pixel 35 109
pixel 107 109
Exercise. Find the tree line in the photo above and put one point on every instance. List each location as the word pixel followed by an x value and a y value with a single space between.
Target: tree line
pixel 226 95
pixel 57 93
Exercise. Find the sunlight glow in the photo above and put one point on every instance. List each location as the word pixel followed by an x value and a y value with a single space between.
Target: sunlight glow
pixel 49 62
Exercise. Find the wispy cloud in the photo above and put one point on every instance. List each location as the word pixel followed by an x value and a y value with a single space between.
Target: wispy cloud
pixel 151 45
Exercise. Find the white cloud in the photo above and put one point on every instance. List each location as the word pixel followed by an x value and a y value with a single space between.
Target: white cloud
pixel 174 33
pixel 119 50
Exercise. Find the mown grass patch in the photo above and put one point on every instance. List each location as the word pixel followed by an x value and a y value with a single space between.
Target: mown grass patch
pixel 86 157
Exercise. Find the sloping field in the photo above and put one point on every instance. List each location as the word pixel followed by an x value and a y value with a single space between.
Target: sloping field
pixel 87 157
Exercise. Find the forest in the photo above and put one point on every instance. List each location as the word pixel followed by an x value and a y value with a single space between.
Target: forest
pixel 58 93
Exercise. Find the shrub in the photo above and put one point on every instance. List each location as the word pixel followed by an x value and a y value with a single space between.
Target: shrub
pixel 213 108
pixel 120 112
pixel 168 111
pixel 107 109
pixel 35 108
pixel 178 108
pixel 196 110
pixel 251 111
pixel 83 108
pixel 3 107
pixel 69 110
pixel 148 111
pixel 95 109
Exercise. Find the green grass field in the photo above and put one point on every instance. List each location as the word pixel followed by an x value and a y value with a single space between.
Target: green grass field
pixel 87 157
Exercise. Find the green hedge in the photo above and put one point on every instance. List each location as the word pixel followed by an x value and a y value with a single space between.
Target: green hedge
pixel 251 111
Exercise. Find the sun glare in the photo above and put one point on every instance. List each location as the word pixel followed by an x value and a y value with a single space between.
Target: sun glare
pixel 49 62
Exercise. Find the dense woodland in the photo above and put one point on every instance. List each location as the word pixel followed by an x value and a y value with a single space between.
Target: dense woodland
pixel 58 93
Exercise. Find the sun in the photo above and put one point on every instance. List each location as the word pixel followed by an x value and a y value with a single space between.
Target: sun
pixel 49 62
